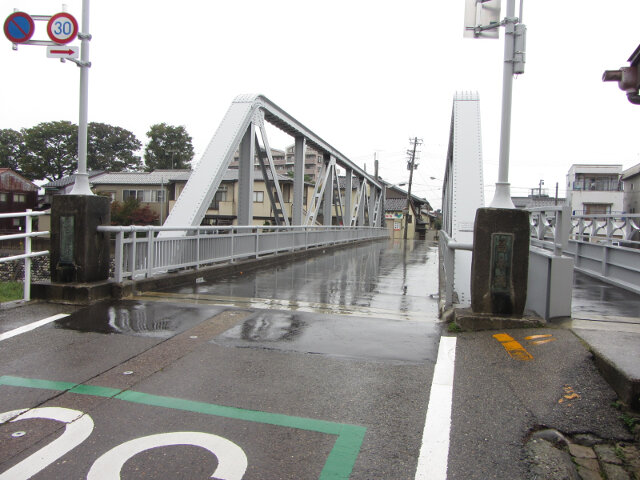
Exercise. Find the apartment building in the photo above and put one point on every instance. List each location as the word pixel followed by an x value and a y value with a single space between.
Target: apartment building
pixel 631 183
pixel 284 161
pixel 595 189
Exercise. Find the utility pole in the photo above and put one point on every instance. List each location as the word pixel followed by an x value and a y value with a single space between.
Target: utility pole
pixel 416 141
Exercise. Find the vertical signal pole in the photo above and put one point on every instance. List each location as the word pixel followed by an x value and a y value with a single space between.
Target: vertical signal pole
pixel 502 195
pixel 81 185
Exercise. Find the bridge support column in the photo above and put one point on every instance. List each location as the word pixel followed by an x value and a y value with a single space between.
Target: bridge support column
pixel 298 181
pixel 348 192
pixel 372 203
pixel 499 266
pixel 327 202
pixel 362 202
pixel 245 177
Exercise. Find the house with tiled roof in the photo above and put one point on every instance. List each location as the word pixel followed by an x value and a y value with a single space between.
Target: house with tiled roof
pixel 17 194
pixel 418 219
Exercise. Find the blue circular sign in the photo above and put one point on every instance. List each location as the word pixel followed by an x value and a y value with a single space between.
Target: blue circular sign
pixel 19 27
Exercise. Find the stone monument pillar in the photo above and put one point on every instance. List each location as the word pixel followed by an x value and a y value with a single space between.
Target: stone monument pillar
pixel 500 264
pixel 79 253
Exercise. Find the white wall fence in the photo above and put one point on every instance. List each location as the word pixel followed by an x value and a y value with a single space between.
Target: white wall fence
pixel 27 235
pixel 140 252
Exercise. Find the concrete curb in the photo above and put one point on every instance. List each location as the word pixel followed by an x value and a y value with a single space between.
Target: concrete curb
pixel 470 321
pixel 617 356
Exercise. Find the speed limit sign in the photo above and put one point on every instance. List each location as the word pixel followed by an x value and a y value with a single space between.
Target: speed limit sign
pixel 62 28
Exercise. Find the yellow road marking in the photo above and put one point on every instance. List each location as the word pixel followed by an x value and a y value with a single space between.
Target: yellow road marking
pixel 540 342
pixel 513 348
pixel 570 394
pixel 536 337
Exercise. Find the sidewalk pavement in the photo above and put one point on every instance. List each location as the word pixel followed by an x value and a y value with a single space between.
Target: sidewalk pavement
pixel 607 319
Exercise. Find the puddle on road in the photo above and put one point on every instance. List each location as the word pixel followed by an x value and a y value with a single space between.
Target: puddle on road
pixel 371 339
pixel 147 319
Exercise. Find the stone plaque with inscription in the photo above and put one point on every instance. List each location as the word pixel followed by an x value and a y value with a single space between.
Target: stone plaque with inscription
pixel 501 262
pixel 67 224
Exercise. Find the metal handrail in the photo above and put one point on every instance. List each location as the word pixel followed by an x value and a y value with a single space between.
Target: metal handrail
pixel 28 254
pixel 148 254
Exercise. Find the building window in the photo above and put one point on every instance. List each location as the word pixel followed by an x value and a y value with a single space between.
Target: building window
pixel 3 197
pixel 597 208
pixel 220 196
pixel 137 194
pixel 258 197
pixel 19 198
pixel 148 196
pixel 597 183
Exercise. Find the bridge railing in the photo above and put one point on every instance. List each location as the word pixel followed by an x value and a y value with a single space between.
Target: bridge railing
pixel 550 227
pixel 607 247
pixel 619 230
pixel 28 253
pixel 140 252
pixel 448 249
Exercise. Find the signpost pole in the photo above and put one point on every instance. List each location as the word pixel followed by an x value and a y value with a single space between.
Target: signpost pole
pixel 81 185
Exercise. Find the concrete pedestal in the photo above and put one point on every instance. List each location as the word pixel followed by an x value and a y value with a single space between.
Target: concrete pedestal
pixel 79 253
pixel 499 268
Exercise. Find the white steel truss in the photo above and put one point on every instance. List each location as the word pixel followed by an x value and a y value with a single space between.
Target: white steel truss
pixel 245 116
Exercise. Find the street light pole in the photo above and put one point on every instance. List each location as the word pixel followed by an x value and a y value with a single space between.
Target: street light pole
pixel 81 184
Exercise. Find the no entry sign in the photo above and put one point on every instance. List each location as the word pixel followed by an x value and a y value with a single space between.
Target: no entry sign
pixel 62 28
pixel 19 27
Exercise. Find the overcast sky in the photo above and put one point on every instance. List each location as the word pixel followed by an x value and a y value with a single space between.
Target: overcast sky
pixel 364 75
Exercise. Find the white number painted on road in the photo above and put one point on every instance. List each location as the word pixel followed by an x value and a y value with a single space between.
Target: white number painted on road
pixel 232 461
pixel 78 427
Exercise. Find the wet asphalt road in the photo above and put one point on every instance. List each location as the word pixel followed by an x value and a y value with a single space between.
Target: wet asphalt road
pixel 315 369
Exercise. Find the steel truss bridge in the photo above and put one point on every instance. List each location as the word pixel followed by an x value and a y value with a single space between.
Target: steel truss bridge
pixel 243 130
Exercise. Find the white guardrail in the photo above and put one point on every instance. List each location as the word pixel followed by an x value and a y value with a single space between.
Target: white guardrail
pixel 139 253
pixel 28 254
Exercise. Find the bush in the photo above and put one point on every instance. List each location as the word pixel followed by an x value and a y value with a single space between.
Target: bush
pixel 130 212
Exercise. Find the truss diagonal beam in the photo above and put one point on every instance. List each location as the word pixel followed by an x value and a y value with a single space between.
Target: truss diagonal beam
pixel 271 179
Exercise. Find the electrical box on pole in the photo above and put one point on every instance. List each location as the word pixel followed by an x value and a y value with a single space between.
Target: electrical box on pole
pixel 520 48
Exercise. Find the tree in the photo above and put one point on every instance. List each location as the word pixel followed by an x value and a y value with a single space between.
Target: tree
pixel 168 147
pixel 112 148
pixel 51 150
pixel 11 146
pixel 130 212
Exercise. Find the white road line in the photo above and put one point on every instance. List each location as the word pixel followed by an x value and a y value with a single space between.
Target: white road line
pixel 31 326
pixel 434 452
